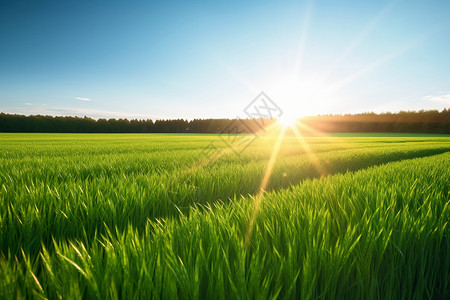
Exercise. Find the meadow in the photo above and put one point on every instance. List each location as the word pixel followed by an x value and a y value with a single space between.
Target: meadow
pixel 182 216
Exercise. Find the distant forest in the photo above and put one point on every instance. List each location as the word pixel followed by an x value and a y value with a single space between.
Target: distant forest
pixel 430 121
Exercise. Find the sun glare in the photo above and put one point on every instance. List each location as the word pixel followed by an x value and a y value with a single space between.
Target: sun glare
pixel 287 120
pixel 301 96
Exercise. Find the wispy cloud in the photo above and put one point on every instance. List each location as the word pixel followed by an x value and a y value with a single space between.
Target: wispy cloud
pixel 28 103
pixel 82 99
pixel 442 98
pixel 415 102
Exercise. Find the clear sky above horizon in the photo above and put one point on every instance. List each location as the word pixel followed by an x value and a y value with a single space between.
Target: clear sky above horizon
pixel 209 59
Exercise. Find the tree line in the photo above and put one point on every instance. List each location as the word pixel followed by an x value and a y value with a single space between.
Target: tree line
pixel 424 121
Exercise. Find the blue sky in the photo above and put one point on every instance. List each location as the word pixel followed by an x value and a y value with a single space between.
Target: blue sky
pixel 201 59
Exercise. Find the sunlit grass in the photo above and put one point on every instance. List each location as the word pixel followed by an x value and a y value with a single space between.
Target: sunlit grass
pixel 140 215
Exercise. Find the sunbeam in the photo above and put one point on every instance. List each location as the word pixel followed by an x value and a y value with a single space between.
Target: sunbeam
pixel 264 182
pixel 239 78
pixel 372 66
pixel 303 36
pixel 314 159
pixel 357 40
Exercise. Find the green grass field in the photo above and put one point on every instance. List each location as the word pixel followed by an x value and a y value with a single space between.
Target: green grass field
pixel 156 216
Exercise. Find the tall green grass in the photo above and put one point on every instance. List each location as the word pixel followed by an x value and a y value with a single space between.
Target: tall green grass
pixel 136 217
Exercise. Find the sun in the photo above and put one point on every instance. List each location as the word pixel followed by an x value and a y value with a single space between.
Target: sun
pixel 300 96
pixel 287 120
